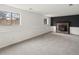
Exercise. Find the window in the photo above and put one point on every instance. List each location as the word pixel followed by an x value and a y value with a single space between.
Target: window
pixel 9 18
pixel 45 21
pixel 15 18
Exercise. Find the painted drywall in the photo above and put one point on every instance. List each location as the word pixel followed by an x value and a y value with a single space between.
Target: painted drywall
pixel 31 26
pixel 73 19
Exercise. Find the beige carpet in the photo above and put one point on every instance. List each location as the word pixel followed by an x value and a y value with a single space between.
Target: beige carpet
pixel 48 44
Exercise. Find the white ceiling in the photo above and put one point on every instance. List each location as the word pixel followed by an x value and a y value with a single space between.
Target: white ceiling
pixel 49 9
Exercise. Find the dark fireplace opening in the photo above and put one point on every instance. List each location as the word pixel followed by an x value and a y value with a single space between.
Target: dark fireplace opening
pixel 63 27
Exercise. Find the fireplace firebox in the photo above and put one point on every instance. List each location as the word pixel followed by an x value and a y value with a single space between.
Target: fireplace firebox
pixel 63 27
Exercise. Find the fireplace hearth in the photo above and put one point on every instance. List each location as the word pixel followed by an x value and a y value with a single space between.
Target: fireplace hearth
pixel 63 27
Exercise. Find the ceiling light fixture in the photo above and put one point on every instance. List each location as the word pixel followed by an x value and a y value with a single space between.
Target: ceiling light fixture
pixel 70 4
pixel 30 8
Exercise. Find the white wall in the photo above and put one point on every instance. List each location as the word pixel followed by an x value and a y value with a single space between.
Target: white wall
pixel 53 28
pixel 73 30
pixel 31 25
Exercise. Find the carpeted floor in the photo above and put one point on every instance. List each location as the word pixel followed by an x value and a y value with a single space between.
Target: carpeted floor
pixel 48 44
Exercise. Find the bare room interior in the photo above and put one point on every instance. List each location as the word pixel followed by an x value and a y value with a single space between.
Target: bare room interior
pixel 39 29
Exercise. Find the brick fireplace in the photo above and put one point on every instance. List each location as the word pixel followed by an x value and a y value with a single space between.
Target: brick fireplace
pixel 63 27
